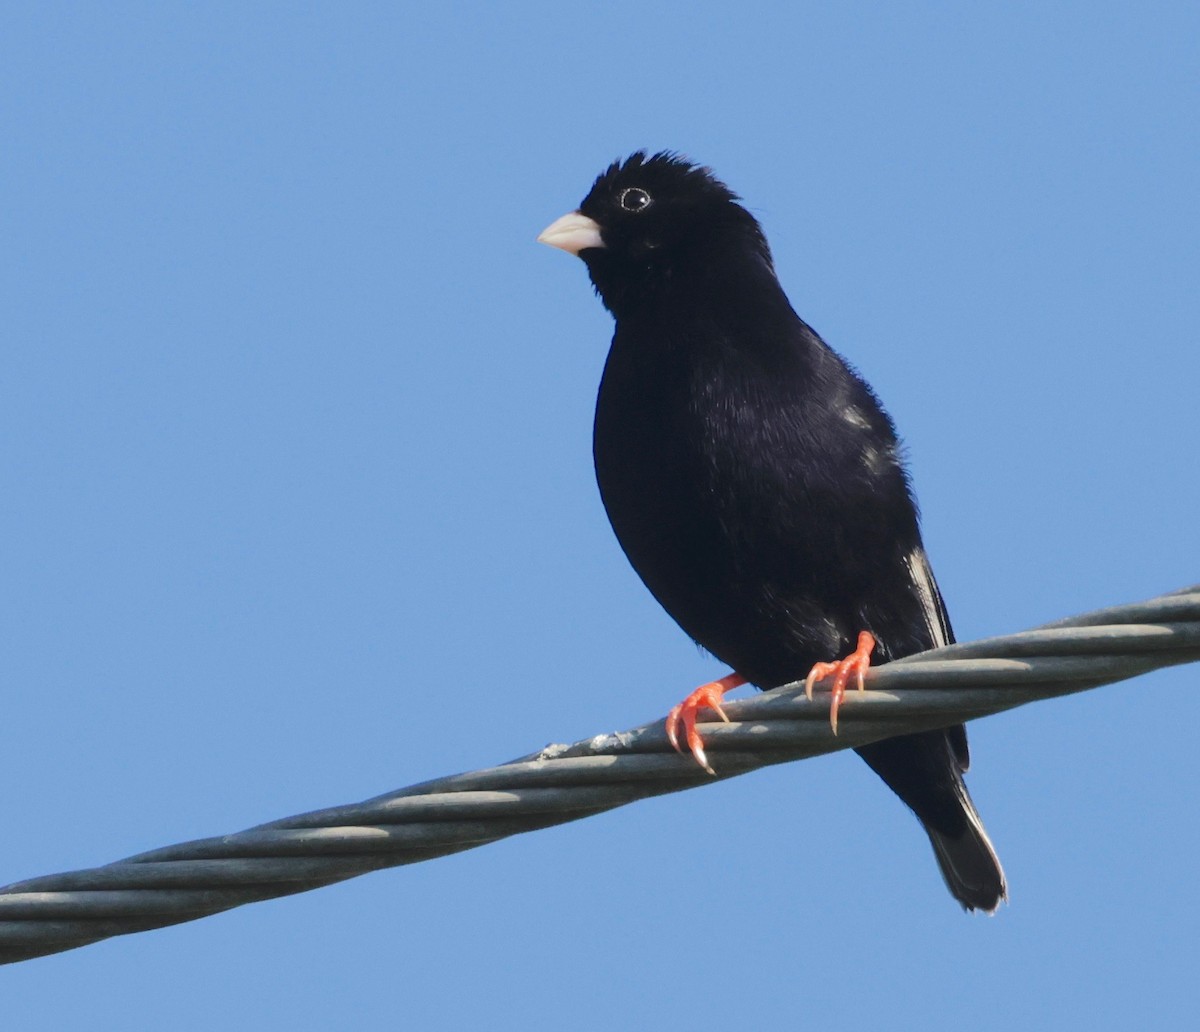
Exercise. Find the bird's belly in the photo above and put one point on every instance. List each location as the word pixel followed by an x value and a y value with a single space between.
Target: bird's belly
pixel 756 603
pixel 765 536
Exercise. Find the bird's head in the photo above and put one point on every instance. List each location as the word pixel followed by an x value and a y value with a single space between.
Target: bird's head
pixel 652 220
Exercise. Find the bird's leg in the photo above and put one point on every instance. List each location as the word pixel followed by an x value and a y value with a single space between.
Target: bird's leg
pixel 858 662
pixel 709 695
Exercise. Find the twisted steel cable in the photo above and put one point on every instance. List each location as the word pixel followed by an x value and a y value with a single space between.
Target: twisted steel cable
pixel 564 783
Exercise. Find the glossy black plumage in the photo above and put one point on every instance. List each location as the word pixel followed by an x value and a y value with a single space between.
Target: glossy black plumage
pixel 753 479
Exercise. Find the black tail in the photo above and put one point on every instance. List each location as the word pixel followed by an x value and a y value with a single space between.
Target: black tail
pixel 925 770
pixel 969 863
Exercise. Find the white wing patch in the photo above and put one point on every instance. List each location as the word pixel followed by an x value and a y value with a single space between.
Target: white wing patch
pixel 927 592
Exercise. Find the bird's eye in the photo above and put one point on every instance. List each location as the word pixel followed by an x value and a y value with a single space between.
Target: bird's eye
pixel 634 199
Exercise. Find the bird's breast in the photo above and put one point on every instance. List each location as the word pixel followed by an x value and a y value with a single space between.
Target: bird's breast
pixel 735 487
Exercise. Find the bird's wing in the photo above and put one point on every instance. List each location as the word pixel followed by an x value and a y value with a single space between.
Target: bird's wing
pixel 940 633
pixel 930 597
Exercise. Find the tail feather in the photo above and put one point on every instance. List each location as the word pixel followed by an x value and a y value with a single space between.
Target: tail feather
pixel 925 770
pixel 969 863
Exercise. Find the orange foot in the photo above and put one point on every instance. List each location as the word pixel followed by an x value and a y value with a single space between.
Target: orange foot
pixel 709 695
pixel 858 662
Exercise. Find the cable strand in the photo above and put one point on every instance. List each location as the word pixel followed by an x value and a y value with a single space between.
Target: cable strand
pixel 562 783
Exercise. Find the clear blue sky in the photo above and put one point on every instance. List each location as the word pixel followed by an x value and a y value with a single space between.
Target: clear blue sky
pixel 297 502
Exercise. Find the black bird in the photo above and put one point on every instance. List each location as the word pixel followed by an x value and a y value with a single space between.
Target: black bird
pixel 754 480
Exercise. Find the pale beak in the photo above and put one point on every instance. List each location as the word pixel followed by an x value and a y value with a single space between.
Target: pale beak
pixel 572 233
